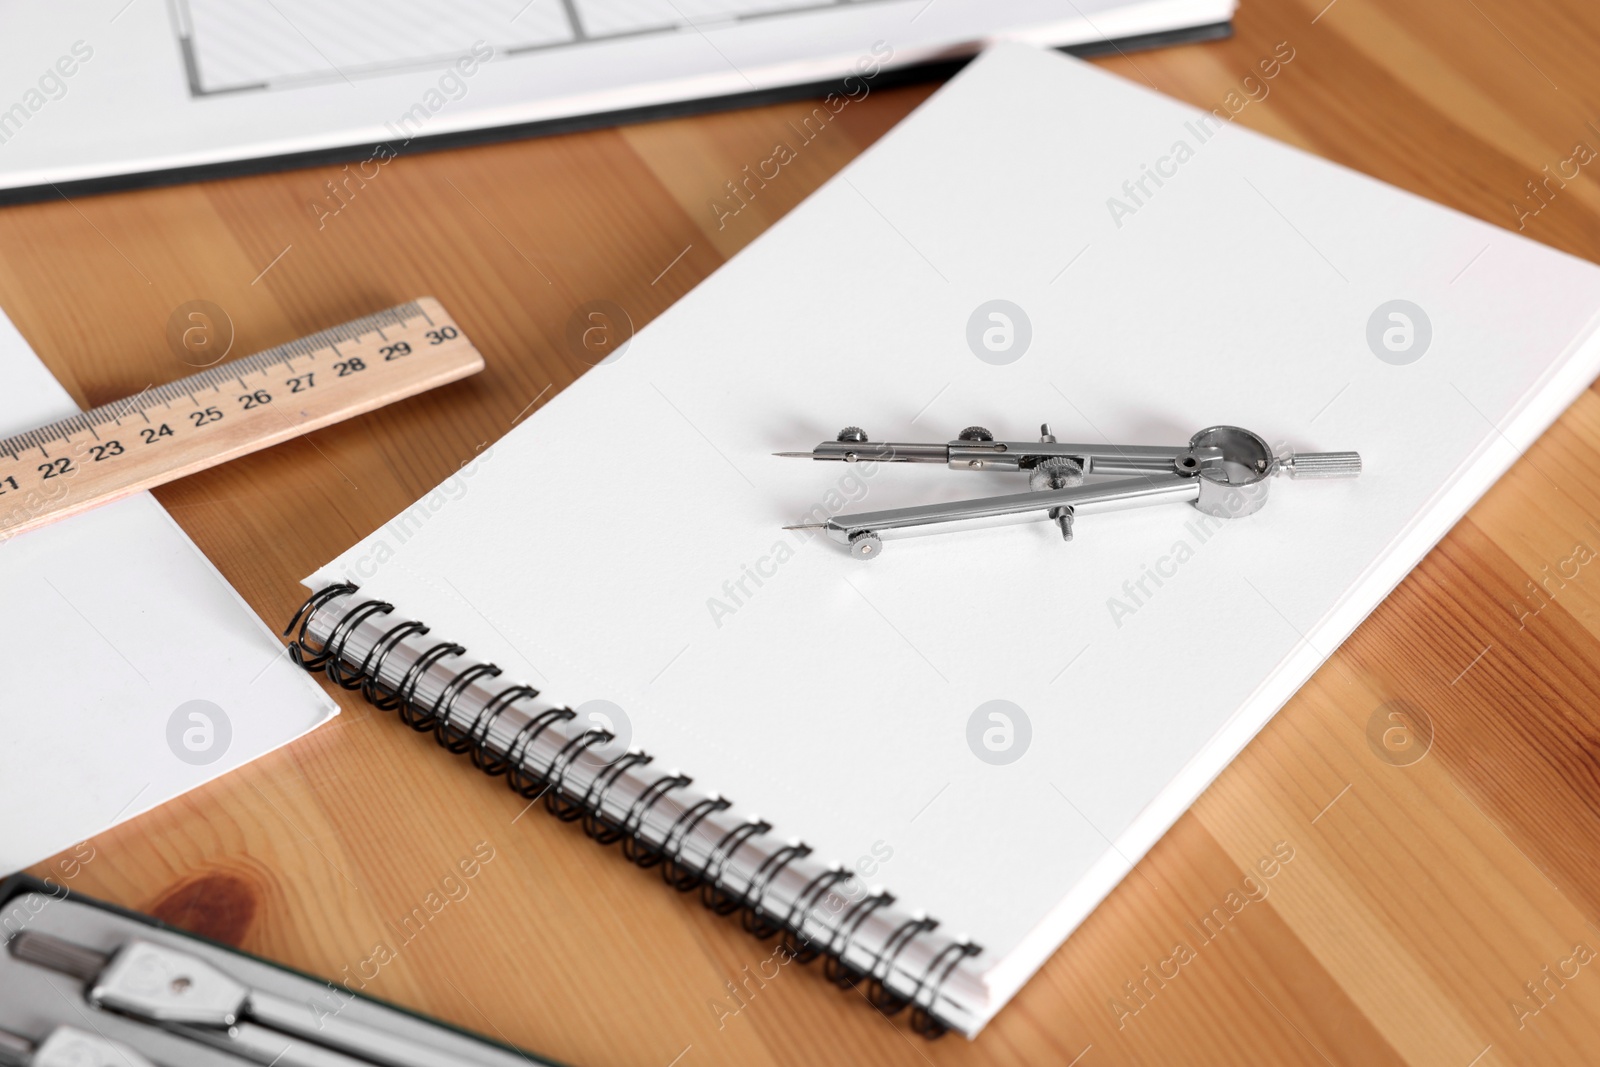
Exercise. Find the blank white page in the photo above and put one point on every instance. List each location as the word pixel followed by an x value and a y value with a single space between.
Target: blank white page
pixel 118 632
pixel 597 547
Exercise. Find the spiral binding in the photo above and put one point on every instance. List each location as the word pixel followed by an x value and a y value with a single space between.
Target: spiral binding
pixel 589 806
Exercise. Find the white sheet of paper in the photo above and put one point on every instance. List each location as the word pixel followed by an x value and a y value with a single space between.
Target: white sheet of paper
pixel 111 87
pixel 624 544
pixel 118 632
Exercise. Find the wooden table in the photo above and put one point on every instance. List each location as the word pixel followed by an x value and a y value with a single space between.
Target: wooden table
pixel 1423 896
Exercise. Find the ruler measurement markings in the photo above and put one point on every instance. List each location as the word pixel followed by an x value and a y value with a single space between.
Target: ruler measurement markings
pixel 396 316
pixel 263 367
pixel 191 449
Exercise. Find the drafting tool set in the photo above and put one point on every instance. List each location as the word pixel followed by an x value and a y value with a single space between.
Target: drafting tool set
pixel 83 984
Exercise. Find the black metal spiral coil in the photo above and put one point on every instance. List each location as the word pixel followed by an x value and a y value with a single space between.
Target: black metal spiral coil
pixel 589 807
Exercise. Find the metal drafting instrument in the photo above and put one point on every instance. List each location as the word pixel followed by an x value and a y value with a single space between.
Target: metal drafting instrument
pixel 1223 470
pixel 183 994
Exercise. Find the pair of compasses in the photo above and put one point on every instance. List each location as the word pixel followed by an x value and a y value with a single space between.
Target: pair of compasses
pixel 1223 471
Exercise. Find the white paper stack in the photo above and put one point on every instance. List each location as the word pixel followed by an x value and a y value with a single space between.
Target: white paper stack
pixel 134 671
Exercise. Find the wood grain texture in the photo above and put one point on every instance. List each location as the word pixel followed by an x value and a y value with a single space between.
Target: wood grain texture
pixel 1422 901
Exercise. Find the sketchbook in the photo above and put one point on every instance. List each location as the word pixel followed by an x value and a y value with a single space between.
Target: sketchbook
pixel 928 768
pixel 112 93
pixel 138 673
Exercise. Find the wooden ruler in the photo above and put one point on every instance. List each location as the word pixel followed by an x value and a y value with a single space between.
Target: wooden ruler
pixel 232 409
